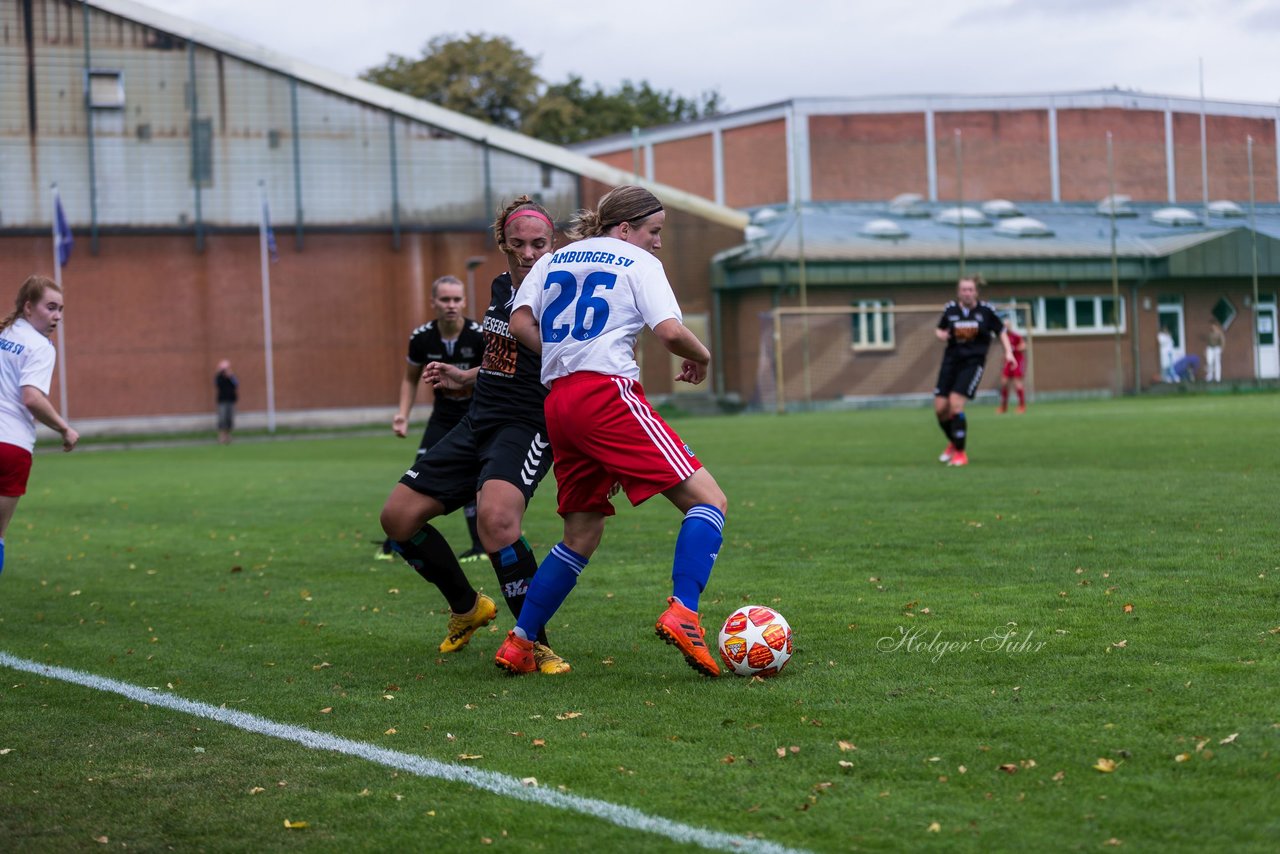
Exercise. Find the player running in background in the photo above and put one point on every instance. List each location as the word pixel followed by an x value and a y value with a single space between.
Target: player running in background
pixel 26 371
pixel 967 327
pixel 496 455
pixel 584 306
pixel 456 340
pixel 1014 372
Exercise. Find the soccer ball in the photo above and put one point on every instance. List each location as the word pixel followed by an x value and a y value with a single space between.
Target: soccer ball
pixel 755 641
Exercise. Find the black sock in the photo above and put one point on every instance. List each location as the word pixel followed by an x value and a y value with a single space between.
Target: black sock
pixel 430 556
pixel 473 526
pixel 515 566
pixel 959 430
pixel 946 429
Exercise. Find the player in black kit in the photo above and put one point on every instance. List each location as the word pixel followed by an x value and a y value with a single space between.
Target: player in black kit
pixel 496 455
pixel 453 338
pixel 967 327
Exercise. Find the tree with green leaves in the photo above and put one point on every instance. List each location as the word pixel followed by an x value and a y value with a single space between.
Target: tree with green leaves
pixel 485 77
pixel 491 79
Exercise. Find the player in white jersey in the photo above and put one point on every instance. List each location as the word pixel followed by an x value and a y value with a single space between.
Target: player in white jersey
pixel 26 370
pixel 584 306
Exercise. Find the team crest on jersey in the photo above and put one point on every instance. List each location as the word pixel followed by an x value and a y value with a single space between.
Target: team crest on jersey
pixel 688 450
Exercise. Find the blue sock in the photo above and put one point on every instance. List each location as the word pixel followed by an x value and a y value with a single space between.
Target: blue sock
pixel 1 554
pixel 959 430
pixel 555 578
pixel 696 548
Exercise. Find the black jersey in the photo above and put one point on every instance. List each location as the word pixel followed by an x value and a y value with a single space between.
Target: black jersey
pixel 427 345
pixel 509 385
pixel 969 331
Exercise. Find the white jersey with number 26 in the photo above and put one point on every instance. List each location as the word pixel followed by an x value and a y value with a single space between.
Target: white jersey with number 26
pixel 591 299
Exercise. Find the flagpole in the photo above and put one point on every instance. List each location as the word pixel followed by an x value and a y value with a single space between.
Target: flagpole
pixel 62 331
pixel 263 226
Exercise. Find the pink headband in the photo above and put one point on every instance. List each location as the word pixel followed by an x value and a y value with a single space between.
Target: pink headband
pixel 528 212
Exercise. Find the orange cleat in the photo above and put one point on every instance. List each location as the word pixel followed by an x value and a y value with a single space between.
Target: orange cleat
pixel 959 458
pixel 680 627
pixel 1022 407
pixel 1002 409
pixel 945 456
pixel 516 655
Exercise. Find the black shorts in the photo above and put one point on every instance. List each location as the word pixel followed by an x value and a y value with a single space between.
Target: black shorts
pixel 454 469
pixel 437 429
pixel 960 376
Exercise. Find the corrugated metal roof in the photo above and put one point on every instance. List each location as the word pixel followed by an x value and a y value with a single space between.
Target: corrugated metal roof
pixel 832 232
pixel 413 108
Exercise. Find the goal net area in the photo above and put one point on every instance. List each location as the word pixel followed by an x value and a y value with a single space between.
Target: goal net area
pixel 868 354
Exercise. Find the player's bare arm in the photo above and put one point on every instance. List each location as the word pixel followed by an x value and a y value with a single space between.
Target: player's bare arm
pixel 1008 348
pixel 408 392
pixel 679 341
pixel 525 327
pixel 450 377
pixel 44 412
pixel 942 335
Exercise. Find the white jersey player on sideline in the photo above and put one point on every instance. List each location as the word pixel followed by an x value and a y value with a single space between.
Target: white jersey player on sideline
pixel 26 371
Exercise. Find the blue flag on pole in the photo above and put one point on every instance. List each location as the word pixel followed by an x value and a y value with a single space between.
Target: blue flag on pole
pixel 63 232
pixel 271 235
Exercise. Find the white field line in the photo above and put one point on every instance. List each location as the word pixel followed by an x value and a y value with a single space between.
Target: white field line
pixel 489 781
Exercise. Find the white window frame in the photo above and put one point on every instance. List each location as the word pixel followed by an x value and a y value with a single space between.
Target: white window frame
pixel 1073 327
pixel 872 328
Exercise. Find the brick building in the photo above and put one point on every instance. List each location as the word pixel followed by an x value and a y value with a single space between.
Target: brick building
pixel 1026 148
pixel 164 138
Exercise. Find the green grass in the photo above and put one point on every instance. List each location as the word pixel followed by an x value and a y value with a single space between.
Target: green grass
pixel 241 575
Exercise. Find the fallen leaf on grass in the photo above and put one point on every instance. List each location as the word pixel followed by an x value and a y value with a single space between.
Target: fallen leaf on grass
pixel 101 839
pixel 326 710
pixel 1229 739
pixel 294 825
pixel 846 746
pixel 1057 778
pixel 1113 842
pixel 1128 607
pixel 6 751
pixel 529 781
pixel 1182 757
pixel 391 731
pixel 728 760
pixel 568 716
pixel 844 763
pixel 1120 644
pixel 467 756
pixel 256 790
pixel 1009 768
pixel 539 742
pixel 1106 766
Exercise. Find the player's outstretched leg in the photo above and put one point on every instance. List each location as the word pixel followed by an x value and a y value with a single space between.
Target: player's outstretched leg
pixel 515 568
pixel 697 546
pixel 551 585
pixel 430 556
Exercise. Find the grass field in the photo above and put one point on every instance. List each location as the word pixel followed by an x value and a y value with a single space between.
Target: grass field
pixel 1100 589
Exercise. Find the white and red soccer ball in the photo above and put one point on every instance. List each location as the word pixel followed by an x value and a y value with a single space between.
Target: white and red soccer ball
pixel 755 641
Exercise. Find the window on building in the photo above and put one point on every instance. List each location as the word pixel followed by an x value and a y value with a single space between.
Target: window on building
pixel 1082 315
pixel 105 89
pixel 1224 312
pixel 872 324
